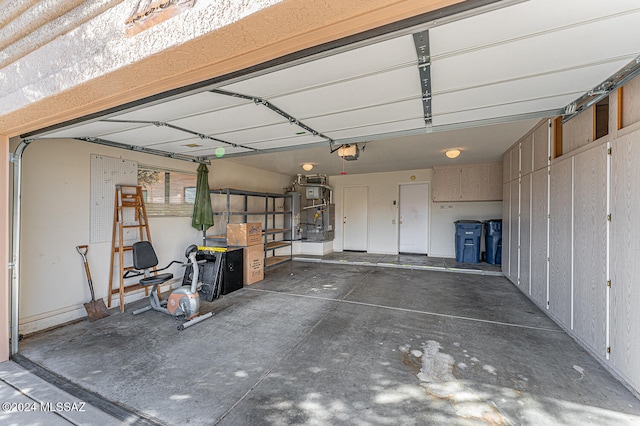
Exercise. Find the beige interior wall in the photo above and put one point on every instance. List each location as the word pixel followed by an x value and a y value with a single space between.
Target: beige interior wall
pixel 55 219
pixel 383 232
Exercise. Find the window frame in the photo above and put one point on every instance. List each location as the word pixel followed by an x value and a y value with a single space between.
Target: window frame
pixel 168 208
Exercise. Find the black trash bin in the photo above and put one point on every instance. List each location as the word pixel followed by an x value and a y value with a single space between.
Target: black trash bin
pixel 468 233
pixel 493 241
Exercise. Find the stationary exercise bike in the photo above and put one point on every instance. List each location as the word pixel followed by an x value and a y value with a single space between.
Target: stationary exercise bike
pixel 184 302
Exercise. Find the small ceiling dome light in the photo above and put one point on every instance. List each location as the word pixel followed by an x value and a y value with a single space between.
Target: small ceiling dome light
pixel 307 167
pixel 452 153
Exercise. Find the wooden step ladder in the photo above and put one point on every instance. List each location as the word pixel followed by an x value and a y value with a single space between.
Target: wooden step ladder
pixel 129 224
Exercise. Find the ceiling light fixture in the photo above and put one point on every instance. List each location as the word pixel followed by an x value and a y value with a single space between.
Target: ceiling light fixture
pixel 452 153
pixel 307 167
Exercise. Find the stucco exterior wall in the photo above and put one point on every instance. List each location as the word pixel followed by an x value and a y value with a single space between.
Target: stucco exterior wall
pixel 101 46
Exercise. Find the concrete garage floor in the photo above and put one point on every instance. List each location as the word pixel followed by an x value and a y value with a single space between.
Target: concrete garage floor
pixel 325 344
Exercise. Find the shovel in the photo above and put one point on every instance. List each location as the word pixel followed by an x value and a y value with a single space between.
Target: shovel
pixel 95 308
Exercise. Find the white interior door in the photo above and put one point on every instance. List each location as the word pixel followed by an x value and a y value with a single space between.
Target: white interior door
pixel 355 218
pixel 414 218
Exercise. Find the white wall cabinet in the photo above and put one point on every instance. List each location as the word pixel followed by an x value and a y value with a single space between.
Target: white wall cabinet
pixel 525 210
pixel 481 182
pixel 584 226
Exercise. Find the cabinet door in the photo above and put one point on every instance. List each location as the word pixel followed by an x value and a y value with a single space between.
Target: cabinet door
pixel 625 246
pixel 560 242
pixel 514 233
pixel 525 234
pixel 539 234
pixel 506 167
pixel 590 248
pixel 541 146
pixel 491 183
pixel 446 184
pixel 481 182
pixel 471 182
pixel 506 228
pixel 526 155
pixel 577 132
pixel 515 162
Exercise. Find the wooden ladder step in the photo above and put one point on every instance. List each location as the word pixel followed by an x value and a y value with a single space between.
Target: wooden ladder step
pixel 126 200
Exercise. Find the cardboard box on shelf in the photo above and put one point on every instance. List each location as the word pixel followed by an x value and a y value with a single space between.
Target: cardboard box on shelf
pixel 253 261
pixel 244 234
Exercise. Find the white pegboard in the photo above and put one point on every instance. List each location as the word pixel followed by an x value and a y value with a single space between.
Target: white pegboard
pixel 106 173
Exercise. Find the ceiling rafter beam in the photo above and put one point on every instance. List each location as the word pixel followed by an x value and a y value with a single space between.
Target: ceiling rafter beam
pixel 421 41
pixel 182 129
pixel 291 119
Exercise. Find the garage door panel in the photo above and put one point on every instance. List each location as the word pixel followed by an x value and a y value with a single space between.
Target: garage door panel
pixel 506 110
pixel 521 57
pixel 377 89
pixel 331 69
pixel 528 89
pixel 522 19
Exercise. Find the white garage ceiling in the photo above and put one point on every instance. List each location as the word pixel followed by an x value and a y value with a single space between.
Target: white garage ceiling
pixel 492 74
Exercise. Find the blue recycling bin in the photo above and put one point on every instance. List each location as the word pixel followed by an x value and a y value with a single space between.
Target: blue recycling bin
pixel 493 241
pixel 468 233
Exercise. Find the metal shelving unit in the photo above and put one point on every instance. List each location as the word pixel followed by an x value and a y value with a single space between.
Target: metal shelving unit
pixel 273 229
